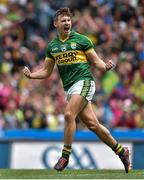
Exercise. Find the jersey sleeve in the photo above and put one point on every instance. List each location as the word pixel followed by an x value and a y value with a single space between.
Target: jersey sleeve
pixel 48 55
pixel 87 44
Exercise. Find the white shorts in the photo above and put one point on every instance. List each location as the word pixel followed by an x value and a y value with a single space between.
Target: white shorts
pixel 85 88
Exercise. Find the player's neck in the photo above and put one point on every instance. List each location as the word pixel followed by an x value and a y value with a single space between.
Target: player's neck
pixel 63 37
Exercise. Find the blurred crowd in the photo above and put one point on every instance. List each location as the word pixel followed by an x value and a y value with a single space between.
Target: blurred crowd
pixel 116 27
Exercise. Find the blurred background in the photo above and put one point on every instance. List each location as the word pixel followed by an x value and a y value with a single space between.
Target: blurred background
pixel 32 111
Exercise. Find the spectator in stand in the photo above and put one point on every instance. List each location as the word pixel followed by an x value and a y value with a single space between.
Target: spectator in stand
pixel 140 117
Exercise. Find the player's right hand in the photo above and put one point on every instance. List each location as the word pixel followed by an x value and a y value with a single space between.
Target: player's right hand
pixel 26 72
pixel 110 65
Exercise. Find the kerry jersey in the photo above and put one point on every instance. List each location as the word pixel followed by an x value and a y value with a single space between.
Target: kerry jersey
pixel 70 58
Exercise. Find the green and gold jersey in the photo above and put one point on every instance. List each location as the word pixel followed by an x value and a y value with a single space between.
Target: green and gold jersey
pixel 70 57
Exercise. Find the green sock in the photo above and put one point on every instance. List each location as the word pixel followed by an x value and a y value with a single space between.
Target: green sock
pixel 118 149
pixel 66 151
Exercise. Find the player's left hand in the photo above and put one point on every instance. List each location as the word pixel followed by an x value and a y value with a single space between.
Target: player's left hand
pixel 110 65
pixel 26 72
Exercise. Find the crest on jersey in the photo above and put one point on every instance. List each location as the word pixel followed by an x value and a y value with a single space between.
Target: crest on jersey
pixel 73 45
pixel 63 47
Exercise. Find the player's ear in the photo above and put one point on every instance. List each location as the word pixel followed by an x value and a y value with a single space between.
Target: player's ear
pixel 55 23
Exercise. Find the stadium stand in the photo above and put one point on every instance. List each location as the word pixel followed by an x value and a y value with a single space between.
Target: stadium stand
pixel 116 29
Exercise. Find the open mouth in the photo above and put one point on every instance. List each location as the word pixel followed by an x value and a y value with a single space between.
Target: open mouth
pixel 66 28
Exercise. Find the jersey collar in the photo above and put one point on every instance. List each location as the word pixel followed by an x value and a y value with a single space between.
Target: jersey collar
pixel 70 35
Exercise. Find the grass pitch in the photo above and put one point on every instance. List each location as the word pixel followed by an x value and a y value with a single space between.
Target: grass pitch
pixel 70 174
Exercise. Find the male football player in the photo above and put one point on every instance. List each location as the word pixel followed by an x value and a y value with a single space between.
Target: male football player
pixel 71 52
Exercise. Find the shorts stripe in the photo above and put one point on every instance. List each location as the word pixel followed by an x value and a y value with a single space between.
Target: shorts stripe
pixel 85 88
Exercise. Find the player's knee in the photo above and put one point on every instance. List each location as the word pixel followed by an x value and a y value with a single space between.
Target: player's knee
pixel 98 128
pixel 68 116
pixel 93 125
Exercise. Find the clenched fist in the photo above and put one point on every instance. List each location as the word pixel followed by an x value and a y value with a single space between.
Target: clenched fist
pixel 26 72
pixel 110 65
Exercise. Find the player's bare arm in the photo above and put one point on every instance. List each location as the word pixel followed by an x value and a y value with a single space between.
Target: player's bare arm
pixel 42 73
pixel 98 62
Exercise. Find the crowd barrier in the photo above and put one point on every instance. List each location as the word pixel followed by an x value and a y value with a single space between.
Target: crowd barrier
pixel 40 149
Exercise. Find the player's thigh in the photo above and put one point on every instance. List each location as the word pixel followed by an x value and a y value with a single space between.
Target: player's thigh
pixel 88 116
pixel 75 104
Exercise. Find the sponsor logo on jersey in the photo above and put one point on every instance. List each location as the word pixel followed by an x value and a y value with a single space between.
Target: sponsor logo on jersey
pixel 73 45
pixel 66 57
pixel 69 57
